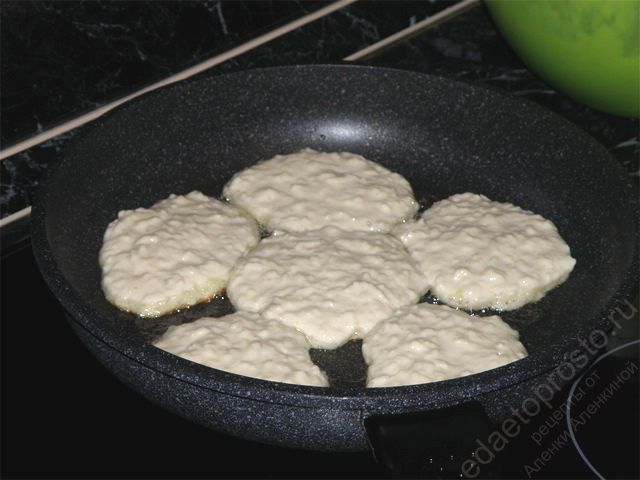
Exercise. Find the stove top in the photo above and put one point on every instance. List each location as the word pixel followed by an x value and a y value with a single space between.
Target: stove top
pixel 65 416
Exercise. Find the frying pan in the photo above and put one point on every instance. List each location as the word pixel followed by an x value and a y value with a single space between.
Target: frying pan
pixel 445 137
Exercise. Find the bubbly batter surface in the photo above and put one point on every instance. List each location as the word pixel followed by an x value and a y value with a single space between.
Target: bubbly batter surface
pixel 330 284
pixel 309 190
pixel 428 343
pixel 476 253
pixel 177 253
pixel 246 344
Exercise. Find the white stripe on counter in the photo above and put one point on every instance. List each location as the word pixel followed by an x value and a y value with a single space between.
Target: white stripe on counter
pixel 184 74
pixel 414 29
pixel 25 212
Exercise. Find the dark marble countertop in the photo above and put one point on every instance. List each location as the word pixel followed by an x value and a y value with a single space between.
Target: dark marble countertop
pixel 62 59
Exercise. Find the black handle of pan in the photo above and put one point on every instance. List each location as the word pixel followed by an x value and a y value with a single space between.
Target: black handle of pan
pixel 433 444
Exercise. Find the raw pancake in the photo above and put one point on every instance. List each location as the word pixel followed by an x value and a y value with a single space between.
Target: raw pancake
pixel 476 253
pixel 427 343
pixel 309 190
pixel 246 344
pixel 177 253
pixel 330 284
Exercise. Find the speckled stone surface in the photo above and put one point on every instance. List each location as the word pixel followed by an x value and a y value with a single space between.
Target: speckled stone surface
pixel 445 137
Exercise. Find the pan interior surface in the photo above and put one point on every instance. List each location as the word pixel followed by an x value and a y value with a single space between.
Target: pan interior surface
pixel 444 137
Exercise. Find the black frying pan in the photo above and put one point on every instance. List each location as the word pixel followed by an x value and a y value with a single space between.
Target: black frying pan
pixel 445 137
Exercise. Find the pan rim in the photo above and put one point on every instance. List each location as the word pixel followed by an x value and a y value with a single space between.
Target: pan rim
pixel 411 396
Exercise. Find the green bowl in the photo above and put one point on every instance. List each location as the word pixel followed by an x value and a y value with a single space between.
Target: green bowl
pixel 589 49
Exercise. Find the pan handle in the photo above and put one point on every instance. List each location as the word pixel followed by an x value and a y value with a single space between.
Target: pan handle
pixel 432 444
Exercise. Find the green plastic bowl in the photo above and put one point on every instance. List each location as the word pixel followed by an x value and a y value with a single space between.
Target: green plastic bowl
pixel 588 49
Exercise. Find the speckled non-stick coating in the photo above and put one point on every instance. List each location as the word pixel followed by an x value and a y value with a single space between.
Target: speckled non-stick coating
pixel 445 137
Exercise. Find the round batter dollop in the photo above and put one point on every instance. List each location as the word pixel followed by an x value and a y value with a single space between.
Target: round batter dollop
pixel 175 254
pixel 309 190
pixel 476 253
pixel 428 343
pixel 246 344
pixel 330 284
